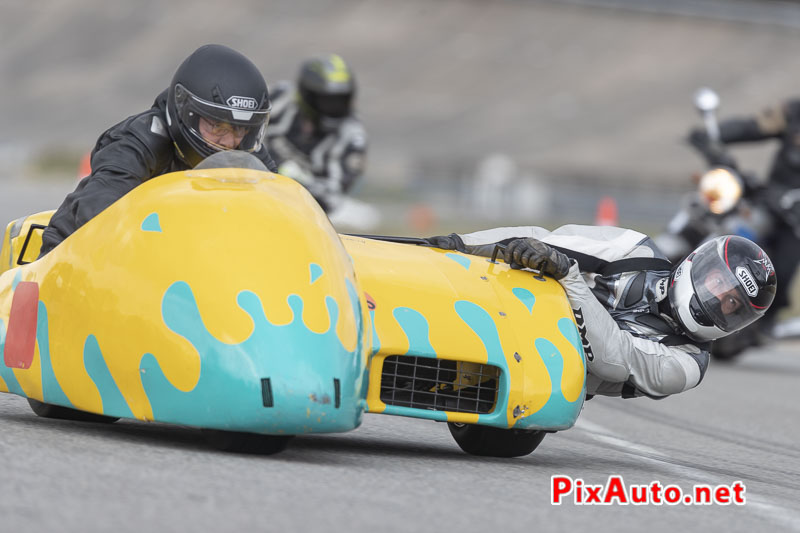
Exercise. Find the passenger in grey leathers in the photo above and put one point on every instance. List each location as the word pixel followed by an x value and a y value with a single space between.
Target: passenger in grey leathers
pixel 648 326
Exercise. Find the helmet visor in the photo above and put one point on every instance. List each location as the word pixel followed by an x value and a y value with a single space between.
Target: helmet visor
pixel 220 126
pixel 329 104
pixel 722 296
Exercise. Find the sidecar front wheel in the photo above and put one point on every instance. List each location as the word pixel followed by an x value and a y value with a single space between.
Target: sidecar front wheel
pixel 241 442
pixel 495 442
pixel 46 410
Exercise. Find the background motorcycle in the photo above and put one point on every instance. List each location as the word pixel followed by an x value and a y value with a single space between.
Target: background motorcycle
pixel 729 201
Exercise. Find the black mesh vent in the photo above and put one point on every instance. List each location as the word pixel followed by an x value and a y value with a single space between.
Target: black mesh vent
pixel 439 384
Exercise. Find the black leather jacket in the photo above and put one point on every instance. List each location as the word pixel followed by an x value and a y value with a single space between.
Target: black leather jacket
pixel 125 156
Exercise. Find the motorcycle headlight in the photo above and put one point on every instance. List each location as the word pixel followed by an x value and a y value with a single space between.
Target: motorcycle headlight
pixel 720 189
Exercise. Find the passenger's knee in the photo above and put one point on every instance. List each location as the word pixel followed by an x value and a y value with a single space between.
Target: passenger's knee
pixel 608 371
pixel 672 379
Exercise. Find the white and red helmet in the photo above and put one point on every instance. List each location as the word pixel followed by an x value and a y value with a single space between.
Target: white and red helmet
pixel 724 285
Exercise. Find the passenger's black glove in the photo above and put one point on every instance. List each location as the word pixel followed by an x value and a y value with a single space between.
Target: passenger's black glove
pixel 536 255
pixel 447 242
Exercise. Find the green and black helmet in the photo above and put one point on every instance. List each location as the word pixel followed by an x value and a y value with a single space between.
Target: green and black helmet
pixel 326 87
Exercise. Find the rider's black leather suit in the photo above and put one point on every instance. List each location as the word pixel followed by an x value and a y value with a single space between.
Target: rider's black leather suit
pixel 125 156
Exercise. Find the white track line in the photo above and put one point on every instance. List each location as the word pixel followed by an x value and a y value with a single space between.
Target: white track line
pixel 787 519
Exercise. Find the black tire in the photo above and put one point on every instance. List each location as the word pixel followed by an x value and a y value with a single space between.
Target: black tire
pixel 495 442
pixel 46 410
pixel 240 442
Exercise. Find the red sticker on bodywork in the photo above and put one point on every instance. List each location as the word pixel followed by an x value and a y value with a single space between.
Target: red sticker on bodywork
pixel 370 302
pixel 21 333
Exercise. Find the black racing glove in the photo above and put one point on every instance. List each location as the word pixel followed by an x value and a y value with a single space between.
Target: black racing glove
pixel 536 255
pixel 447 242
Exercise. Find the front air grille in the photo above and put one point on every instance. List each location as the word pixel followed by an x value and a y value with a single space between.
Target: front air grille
pixel 439 384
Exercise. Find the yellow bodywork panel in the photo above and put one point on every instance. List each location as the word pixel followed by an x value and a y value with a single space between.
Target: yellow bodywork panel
pixel 224 298
pixel 249 249
pixel 448 305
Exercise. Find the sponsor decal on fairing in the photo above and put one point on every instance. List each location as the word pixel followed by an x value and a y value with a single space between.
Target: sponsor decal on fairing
pixel 587 348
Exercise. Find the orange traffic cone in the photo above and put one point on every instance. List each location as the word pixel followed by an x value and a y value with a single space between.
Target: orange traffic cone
pixel 85 166
pixel 606 212
pixel 421 218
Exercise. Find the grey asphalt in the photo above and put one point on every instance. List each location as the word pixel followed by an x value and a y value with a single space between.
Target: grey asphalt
pixel 399 474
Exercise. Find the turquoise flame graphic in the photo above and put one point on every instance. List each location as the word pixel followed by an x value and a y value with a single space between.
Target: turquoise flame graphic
pixel 151 223
pixel 301 367
pixel 114 403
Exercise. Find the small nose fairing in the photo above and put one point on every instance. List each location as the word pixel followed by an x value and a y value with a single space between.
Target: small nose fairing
pixel 218 298
pixel 283 379
pixel 302 366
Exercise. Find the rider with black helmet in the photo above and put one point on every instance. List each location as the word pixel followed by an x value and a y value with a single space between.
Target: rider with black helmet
pixel 217 100
pixel 314 134
pixel 645 325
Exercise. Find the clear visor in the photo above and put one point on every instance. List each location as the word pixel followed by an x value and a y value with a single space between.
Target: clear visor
pixel 222 127
pixel 721 299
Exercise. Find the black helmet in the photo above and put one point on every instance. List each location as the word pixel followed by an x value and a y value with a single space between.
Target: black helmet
pixel 723 286
pixel 326 87
pixel 217 100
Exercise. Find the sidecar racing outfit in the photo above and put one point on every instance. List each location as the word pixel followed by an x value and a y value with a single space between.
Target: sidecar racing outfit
pixel 633 345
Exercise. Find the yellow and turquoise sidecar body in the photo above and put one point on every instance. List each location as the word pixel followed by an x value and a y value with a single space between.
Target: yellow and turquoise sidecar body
pixel 223 299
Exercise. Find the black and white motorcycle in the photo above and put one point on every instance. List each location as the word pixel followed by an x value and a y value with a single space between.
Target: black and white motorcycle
pixel 728 201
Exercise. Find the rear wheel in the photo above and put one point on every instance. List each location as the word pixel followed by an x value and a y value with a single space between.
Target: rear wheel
pixel 47 410
pixel 495 442
pixel 240 442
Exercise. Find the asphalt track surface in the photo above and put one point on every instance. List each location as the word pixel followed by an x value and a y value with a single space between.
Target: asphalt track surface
pixel 399 474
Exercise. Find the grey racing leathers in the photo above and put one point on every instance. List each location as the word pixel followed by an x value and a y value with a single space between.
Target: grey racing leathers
pixel 633 345
pixel 328 162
